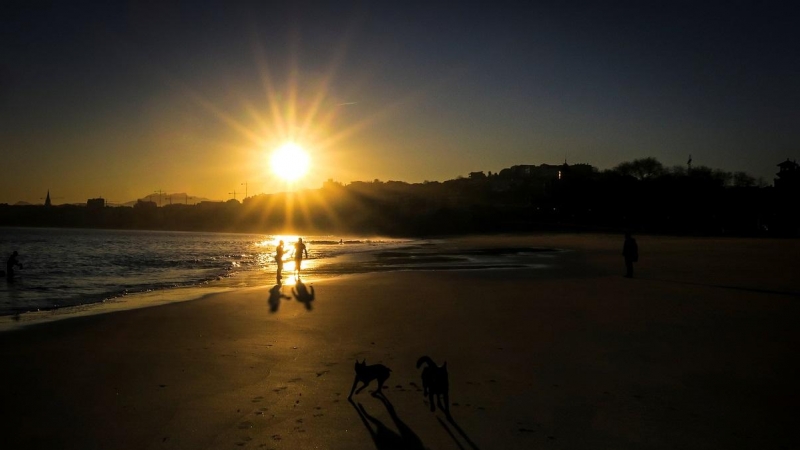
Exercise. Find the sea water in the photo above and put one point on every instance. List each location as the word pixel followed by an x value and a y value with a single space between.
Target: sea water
pixel 69 268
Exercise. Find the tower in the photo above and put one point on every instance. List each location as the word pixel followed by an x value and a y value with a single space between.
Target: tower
pixel 47 200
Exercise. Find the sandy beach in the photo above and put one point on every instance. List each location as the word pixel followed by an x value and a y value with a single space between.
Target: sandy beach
pixel 698 351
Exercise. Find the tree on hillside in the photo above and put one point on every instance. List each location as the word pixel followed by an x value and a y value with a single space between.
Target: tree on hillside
pixel 642 169
pixel 742 179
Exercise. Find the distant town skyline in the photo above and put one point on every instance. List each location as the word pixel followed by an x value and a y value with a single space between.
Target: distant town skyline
pixel 123 98
pixel 163 198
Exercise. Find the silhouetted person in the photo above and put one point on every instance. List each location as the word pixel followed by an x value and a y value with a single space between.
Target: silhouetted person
pixel 10 263
pixel 299 249
pixel 279 251
pixel 630 250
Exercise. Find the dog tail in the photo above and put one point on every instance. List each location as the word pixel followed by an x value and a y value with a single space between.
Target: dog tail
pixel 425 359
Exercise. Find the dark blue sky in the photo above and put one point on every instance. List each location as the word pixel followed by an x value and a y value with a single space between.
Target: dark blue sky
pixel 123 98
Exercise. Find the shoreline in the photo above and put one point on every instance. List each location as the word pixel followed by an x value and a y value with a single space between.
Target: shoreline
pixel 408 256
pixel 471 243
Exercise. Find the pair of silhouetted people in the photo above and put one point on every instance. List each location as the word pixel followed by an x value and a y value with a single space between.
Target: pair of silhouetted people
pixel 10 263
pixel 299 251
pixel 630 250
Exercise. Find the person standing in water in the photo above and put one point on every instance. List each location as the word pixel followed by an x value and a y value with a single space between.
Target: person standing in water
pixel 279 251
pixel 10 263
pixel 299 249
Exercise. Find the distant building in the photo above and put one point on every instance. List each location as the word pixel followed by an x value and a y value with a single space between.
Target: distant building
pixel 47 200
pixel 96 203
pixel 546 171
pixel 210 204
pixel 142 205
pixel 788 175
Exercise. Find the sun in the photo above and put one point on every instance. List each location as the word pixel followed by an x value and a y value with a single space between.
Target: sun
pixel 290 161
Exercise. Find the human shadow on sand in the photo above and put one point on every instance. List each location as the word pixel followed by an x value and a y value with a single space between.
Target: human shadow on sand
pixel 275 297
pixel 384 437
pixel 302 294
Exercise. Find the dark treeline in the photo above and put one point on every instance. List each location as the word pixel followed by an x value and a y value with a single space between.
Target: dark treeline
pixel 641 195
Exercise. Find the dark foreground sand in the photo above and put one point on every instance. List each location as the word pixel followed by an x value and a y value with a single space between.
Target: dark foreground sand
pixel 698 352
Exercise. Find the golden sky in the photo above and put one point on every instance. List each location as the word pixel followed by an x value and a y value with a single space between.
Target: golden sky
pixel 122 100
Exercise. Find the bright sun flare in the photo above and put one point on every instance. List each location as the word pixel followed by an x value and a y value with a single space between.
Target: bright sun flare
pixel 290 161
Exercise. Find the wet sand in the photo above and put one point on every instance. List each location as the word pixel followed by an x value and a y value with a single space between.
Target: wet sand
pixel 698 351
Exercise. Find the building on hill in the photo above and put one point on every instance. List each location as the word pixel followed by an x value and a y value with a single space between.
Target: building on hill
pixel 47 199
pixel 96 203
pixel 546 171
pixel 788 175
pixel 145 205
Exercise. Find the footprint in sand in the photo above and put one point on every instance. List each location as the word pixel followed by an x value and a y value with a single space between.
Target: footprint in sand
pixel 295 380
pixel 245 425
pixel 276 437
pixel 257 399
pixel 319 374
pixel 282 388
pixel 244 441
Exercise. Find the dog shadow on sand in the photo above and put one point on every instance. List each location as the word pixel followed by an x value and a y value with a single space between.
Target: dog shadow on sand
pixel 384 437
pixel 453 423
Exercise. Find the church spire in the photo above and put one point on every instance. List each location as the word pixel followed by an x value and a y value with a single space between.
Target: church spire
pixel 47 200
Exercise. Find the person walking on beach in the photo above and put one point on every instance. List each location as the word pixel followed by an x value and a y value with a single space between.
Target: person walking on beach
pixel 10 263
pixel 630 250
pixel 279 251
pixel 299 249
